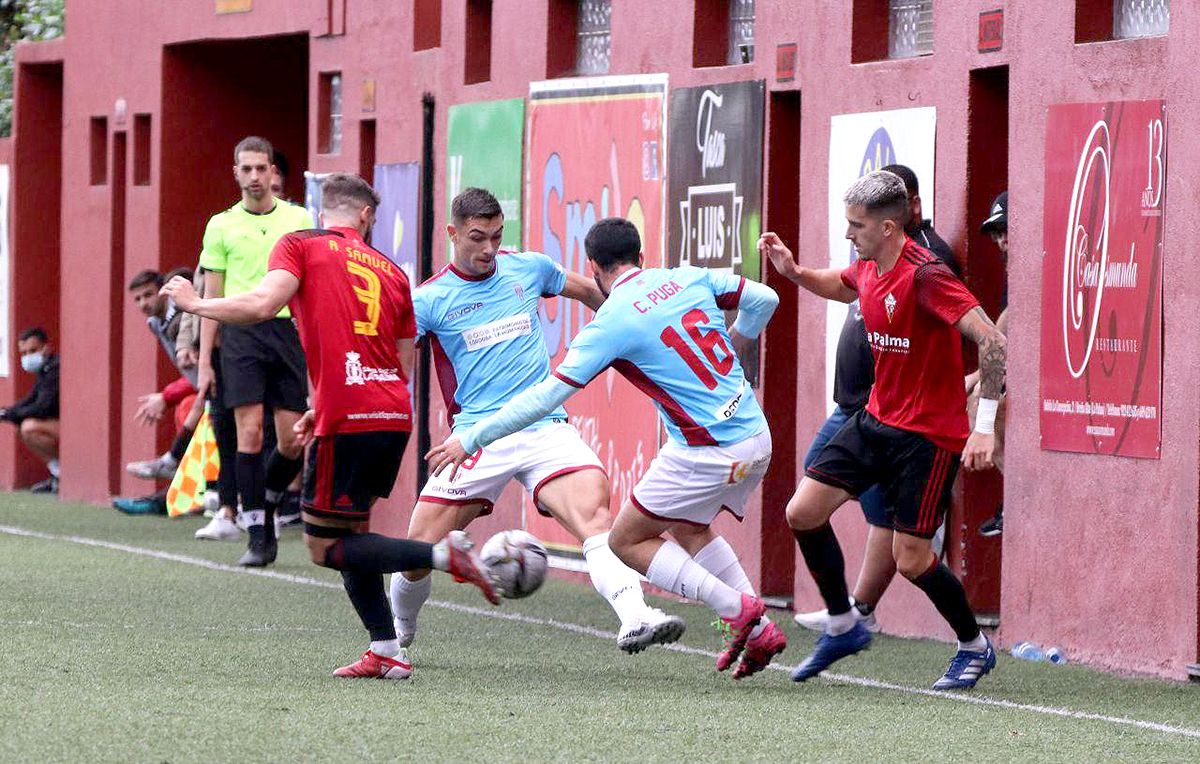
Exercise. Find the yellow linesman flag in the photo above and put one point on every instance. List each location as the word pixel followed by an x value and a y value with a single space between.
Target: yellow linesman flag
pixel 198 467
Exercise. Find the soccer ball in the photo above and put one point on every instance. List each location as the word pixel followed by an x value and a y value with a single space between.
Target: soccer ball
pixel 517 562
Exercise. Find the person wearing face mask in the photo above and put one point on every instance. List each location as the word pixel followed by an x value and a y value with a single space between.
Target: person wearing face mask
pixel 36 415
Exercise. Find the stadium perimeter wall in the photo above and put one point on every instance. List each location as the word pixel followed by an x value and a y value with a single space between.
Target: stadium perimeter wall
pixel 1096 549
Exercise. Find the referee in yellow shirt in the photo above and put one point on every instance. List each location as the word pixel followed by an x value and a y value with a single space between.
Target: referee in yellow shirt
pixel 261 363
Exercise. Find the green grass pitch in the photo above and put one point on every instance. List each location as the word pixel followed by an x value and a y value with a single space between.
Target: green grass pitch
pixel 112 654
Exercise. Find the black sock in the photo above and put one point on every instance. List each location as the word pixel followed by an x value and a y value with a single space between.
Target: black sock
pixel 373 553
pixel 225 430
pixel 252 488
pixel 370 601
pixel 281 471
pixel 823 555
pixel 180 444
pixel 948 596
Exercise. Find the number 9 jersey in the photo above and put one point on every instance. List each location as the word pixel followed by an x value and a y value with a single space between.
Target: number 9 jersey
pixel 664 331
pixel 352 308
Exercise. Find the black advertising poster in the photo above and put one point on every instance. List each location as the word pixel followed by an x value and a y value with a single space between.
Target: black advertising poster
pixel 714 181
pixel 714 188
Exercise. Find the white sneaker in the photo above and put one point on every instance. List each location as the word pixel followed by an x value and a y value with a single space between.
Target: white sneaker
pixel 817 619
pixel 162 468
pixel 220 528
pixel 212 503
pixel 654 627
pixel 813 621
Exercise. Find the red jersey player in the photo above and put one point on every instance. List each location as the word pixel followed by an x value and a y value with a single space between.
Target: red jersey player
pixel 913 432
pixel 355 316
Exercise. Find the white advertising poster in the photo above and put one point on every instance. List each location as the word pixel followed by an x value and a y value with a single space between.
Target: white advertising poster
pixel 859 144
pixel 5 338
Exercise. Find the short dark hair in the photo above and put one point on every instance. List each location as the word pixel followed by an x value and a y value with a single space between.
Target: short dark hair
pixel 255 144
pixel 343 189
pixel 474 203
pixel 34 332
pixel 182 270
pixel 611 242
pixel 907 175
pixel 280 160
pixel 145 278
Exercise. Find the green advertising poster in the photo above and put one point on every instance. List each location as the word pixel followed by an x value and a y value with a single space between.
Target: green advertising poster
pixel 484 143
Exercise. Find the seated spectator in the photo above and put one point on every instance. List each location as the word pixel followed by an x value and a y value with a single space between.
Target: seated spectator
pixel 164 322
pixel 37 413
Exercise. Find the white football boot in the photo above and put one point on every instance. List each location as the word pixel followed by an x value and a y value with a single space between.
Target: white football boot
pixel 653 627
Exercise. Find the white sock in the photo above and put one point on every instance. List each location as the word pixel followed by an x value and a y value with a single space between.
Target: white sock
pixel 407 598
pixel 389 648
pixel 718 558
pixel 254 517
pixel 842 623
pixel 620 586
pixel 441 556
pixel 977 645
pixel 672 569
pixel 52 466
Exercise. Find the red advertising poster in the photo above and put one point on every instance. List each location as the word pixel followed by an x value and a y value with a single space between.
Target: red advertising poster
pixel 594 149
pixel 1101 364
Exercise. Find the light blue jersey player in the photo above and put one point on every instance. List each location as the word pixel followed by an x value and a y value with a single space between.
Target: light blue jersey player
pixel 664 330
pixel 479 315
pixel 485 334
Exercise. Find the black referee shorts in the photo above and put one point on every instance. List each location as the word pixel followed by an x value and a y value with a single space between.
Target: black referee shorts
pixel 263 363
pixel 915 475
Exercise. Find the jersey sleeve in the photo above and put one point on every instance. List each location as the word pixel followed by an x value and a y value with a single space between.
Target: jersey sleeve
pixel 591 352
pixel 850 275
pixel 941 294
pixel 408 318
pixel 726 287
pixel 422 321
pixel 551 278
pixel 213 255
pixel 288 255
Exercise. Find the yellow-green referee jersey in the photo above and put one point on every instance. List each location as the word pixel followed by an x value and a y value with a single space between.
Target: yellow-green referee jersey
pixel 239 243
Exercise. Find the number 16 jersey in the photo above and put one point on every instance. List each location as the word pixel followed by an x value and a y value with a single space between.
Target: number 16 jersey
pixel 352 307
pixel 664 331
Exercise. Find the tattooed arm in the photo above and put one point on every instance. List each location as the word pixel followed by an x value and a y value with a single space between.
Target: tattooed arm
pixel 993 361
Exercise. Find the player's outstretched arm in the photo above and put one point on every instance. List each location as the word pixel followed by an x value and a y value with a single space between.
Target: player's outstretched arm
pixel 520 412
pixel 993 360
pixel 272 293
pixel 823 282
pixel 584 290
pixel 756 305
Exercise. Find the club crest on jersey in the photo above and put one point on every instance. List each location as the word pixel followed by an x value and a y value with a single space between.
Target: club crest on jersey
pixel 357 374
pixel 520 291
pixel 354 369
pixel 889 302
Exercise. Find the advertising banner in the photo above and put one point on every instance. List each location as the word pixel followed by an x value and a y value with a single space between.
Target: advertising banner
pixel 595 149
pixel 859 144
pixel 484 147
pixel 714 196
pixel 395 233
pixel 1101 361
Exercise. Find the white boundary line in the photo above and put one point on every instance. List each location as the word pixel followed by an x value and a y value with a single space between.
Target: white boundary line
pixel 601 634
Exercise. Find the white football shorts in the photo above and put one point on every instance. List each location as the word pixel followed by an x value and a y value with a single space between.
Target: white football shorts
pixel 533 456
pixel 692 484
